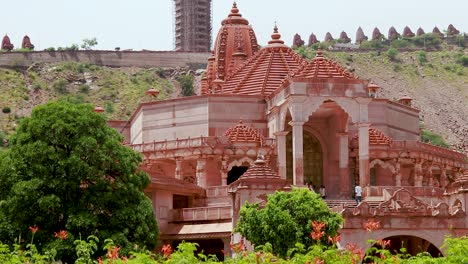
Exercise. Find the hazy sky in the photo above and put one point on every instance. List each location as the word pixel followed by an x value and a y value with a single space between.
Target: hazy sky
pixel 148 24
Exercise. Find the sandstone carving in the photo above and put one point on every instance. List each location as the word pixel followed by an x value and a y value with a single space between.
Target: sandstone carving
pixel 26 44
pixel 420 32
pixel 312 39
pixel 297 41
pixel 6 44
pixel 328 37
pixel 393 34
pixel 345 37
pixel 376 35
pixel 408 33
pixel 437 32
pixel 452 31
pixel 360 37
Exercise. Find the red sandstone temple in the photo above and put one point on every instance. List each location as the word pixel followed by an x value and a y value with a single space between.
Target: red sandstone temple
pixel 309 122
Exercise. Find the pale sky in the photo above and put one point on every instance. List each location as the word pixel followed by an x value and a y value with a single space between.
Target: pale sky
pixel 148 24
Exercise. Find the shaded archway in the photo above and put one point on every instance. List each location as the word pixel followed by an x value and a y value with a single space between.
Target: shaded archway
pixel 412 245
pixel 313 159
pixel 235 173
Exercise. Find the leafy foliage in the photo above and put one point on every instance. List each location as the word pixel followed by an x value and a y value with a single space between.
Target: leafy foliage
pixel 186 83
pixel 287 220
pixel 433 138
pixel 69 168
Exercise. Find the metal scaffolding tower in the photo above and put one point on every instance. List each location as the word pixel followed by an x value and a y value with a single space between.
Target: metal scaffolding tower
pixel 192 25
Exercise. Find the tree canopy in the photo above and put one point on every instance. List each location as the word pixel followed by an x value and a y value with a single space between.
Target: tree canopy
pixel 286 220
pixel 67 172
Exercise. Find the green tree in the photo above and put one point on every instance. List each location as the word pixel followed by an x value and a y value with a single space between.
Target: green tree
pixel 186 83
pixel 89 44
pixel 67 170
pixel 392 53
pixel 286 220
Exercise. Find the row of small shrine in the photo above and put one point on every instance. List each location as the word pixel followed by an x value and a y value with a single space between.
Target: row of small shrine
pixel 26 44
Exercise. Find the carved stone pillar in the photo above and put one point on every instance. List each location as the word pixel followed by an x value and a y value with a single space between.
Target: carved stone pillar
pixel 364 176
pixel 298 153
pixel 178 169
pixel 201 172
pixel 397 173
pixel 443 177
pixel 224 171
pixel 345 182
pixel 281 150
pixel 418 173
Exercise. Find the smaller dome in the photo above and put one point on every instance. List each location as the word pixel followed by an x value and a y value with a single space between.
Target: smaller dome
pixel 152 92
pixel 243 133
pixel 259 170
pixel 98 109
pixel 320 67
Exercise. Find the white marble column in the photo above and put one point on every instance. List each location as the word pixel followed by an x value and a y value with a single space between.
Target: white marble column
pixel 201 172
pixel 298 153
pixel 281 151
pixel 364 176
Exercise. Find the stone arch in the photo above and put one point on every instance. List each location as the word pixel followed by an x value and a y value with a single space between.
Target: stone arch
pixel 434 237
pixel 348 105
pixel 383 164
pixel 413 245
pixel 240 162
pixel 285 111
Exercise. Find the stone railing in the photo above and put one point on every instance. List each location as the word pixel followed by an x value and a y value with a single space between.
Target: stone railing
pixel 428 148
pixel 202 213
pixel 188 143
pixel 217 191
pixel 387 191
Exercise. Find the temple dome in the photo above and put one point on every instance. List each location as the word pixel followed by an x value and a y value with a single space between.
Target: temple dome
pixel 235 43
pixel 321 67
pixel 260 170
pixel 243 133
pixel 263 73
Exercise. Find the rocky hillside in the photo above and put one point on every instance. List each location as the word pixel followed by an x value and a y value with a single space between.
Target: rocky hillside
pixel 437 81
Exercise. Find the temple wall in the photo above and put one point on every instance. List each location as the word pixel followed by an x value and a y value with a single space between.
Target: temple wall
pixel 173 119
pixel 147 59
pixel 226 111
pixel 136 132
pixel 395 120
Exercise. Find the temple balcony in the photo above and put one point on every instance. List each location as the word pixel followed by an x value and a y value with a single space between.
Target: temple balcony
pixel 211 213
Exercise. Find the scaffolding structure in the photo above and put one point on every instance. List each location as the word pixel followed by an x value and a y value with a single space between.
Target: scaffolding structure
pixel 192 24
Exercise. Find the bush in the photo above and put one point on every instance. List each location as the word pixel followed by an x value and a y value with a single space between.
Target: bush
pixel 421 57
pixel 433 138
pixel 61 86
pixel 392 54
pixel 84 88
pixel 429 40
pixel 400 43
pixel 6 110
pixel 463 60
pixel 287 219
pixel 186 83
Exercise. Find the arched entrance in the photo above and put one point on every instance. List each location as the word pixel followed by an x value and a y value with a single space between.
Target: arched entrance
pixel 313 159
pixel 412 245
pixel 235 173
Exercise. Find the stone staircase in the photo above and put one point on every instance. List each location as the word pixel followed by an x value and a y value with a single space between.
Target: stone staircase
pixel 350 203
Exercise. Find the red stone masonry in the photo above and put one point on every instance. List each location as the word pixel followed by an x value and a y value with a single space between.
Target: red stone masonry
pixel 320 67
pixel 263 73
pixel 243 133
pixel 377 137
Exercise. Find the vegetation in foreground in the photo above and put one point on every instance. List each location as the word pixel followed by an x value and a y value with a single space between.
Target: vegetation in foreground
pixel 67 176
